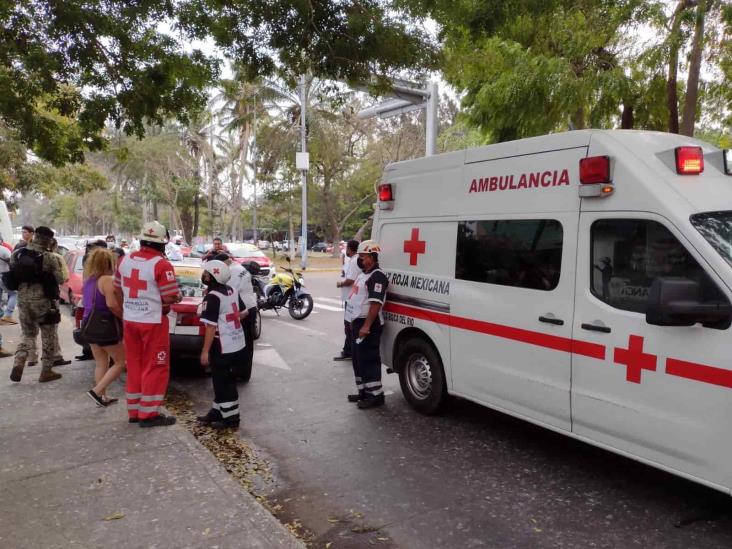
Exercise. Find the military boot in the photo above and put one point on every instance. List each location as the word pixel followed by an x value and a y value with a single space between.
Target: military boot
pixel 48 375
pixel 17 372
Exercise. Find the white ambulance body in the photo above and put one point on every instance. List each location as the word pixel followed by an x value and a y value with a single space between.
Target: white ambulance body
pixel 599 310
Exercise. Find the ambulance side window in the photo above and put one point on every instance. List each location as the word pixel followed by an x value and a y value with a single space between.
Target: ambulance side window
pixel 526 253
pixel 628 254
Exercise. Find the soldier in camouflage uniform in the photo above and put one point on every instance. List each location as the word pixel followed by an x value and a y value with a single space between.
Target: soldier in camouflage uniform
pixel 35 309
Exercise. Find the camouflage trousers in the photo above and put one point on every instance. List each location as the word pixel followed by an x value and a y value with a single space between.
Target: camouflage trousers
pixel 31 314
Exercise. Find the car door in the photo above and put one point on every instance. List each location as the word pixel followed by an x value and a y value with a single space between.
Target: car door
pixel 661 393
pixel 512 313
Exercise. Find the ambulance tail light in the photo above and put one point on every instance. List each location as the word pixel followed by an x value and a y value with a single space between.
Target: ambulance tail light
pixel 386 196
pixel 727 156
pixel 595 169
pixel 595 177
pixel 689 160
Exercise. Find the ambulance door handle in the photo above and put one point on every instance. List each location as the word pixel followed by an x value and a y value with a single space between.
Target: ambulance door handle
pixel 597 328
pixel 551 319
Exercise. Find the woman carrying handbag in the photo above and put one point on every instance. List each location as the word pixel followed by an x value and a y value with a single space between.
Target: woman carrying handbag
pixel 101 326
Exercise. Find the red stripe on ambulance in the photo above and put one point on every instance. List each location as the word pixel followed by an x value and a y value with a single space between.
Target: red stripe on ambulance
pixel 699 372
pixel 540 339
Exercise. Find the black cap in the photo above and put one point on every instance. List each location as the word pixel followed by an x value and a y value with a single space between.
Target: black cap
pixel 222 256
pixel 44 231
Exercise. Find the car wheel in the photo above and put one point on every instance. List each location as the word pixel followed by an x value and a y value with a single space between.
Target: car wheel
pixel 257 328
pixel 422 376
pixel 244 373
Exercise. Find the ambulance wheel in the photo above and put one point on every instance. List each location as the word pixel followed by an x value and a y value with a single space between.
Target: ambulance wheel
pixel 421 376
pixel 257 331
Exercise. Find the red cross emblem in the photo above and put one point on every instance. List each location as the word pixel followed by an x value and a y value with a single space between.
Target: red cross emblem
pixel 150 230
pixel 635 359
pixel 414 247
pixel 215 270
pixel 233 316
pixel 134 284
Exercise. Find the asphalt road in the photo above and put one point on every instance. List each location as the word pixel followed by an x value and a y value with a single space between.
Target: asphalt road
pixel 469 478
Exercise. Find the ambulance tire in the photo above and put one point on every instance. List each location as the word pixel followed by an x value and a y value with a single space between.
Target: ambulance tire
pixel 422 376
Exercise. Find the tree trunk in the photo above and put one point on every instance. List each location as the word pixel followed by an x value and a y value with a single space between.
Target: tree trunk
pixel 672 94
pixel 627 119
pixel 692 84
pixel 362 229
pixel 196 213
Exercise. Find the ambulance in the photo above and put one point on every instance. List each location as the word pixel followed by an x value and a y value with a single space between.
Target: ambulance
pixel 581 281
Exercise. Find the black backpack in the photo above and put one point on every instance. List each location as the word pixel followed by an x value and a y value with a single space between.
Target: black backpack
pixel 27 267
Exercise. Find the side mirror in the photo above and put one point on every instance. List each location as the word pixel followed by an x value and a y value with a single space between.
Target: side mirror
pixel 676 301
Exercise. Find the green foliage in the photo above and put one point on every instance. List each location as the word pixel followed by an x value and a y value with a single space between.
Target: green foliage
pixel 132 72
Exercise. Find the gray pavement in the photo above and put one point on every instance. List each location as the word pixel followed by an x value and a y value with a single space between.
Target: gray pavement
pixel 74 475
pixel 471 477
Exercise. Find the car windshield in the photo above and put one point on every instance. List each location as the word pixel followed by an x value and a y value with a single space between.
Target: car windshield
pixel 244 251
pixel 79 267
pixel 189 280
pixel 716 227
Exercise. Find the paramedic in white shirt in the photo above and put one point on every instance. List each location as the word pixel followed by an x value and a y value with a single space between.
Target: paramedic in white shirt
pixel 241 282
pixel 173 251
pixel 350 274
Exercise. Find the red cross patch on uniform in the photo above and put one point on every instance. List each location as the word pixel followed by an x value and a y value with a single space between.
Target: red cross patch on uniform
pixel 170 276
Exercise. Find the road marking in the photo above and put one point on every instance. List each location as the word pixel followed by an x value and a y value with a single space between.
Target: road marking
pixel 264 344
pixel 338 302
pixel 303 328
pixel 329 308
pixel 270 358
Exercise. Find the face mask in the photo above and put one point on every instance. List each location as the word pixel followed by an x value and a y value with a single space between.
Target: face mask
pixel 360 264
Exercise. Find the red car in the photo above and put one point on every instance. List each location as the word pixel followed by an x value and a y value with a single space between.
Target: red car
pixel 70 291
pixel 244 253
pixel 185 328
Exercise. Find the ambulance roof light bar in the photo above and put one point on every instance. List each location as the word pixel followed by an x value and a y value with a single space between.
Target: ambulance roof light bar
pixel 595 177
pixel 689 160
pixel 385 193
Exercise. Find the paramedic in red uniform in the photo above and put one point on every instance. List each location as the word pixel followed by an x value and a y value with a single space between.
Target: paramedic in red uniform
pixel 146 284
pixel 363 309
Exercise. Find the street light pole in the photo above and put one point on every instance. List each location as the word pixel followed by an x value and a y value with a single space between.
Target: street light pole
pixel 255 236
pixel 303 164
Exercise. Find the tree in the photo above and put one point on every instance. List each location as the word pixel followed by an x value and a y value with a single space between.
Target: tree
pixel 530 67
pixel 67 68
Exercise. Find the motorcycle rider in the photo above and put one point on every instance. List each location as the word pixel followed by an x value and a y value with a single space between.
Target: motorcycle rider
pixel 221 312
pixel 363 308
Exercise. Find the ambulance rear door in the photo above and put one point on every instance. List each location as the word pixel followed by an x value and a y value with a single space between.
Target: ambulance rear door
pixel 661 393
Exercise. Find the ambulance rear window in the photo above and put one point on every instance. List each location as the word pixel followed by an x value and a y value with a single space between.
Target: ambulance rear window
pixel 526 253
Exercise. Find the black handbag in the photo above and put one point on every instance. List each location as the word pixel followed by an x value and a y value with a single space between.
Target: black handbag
pixel 100 327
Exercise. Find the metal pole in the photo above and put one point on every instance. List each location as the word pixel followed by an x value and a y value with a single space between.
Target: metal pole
pixel 254 176
pixel 431 120
pixel 303 175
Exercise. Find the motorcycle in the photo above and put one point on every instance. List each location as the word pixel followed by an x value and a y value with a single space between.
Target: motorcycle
pixel 283 290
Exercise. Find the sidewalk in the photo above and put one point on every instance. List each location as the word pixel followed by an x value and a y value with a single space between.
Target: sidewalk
pixel 74 475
